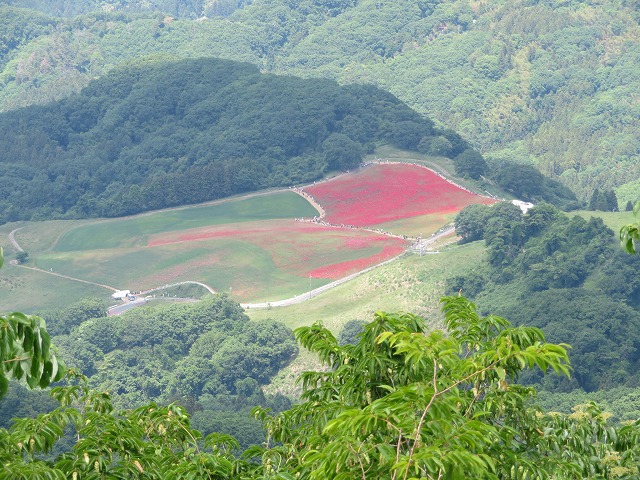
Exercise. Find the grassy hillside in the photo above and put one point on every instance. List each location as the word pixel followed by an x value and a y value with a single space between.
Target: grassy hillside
pixel 414 283
pixel 549 83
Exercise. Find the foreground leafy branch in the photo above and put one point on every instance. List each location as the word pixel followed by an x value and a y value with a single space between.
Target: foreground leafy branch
pixel 404 402
pixel 25 351
pixel 630 233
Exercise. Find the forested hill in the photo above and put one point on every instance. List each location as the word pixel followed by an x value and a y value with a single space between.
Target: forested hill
pixel 565 275
pixel 548 83
pixel 172 133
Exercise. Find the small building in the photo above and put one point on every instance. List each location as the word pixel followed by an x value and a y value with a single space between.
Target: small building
pixel 524 206
pixel 121 294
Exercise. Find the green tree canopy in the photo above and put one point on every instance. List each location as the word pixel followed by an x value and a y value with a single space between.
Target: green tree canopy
pixel 165 133
pixel 403 402
pixel 470 163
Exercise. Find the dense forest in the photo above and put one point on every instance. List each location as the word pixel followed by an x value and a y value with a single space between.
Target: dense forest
pixel 402 399
pixel 208 357
pixel 113 108
pixel 548 84
pixel 172 133
pixel 565 275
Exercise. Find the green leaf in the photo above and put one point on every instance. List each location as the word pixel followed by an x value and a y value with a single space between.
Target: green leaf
pixel 35 367
pixel 4 385
pixel 32 381
pixel 27 342
pixel 45 344
pixel 47 371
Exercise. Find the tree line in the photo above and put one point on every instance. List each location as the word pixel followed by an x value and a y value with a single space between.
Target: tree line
pixel 532 83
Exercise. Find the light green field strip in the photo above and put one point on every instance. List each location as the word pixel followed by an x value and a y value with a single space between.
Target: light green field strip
pixel 423 225
pixel 132 231
pixel 613 220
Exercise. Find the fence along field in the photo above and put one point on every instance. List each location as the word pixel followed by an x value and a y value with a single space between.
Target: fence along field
pixel 252 247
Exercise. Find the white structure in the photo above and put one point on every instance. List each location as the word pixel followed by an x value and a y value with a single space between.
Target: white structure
pixel 524 206
pixel 121 294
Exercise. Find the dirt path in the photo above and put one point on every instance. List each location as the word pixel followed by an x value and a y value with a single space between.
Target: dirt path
pixel 311 200
pixel 12 239
pixel 36 269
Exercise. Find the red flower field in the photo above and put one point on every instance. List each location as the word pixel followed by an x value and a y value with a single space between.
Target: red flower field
pixel 285 249
pixel 299 248
pixel 385 192
pixel 342 269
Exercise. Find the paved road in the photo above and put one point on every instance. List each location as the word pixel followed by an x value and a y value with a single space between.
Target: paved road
pixel 186 282
pixel 425 243
pixel 315 292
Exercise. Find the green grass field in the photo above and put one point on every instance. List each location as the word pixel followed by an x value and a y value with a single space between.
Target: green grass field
pixel 50 246
pixel 133 231
pixel 30 291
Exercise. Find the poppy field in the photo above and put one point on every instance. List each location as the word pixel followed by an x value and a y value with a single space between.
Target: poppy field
pixel 384 193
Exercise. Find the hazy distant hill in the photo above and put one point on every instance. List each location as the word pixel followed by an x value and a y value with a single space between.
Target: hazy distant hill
pixel 172 133
pixel 551 83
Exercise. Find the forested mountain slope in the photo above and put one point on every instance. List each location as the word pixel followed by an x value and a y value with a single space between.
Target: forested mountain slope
pixel 551 83
pixel 171 133
pixel 565 275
